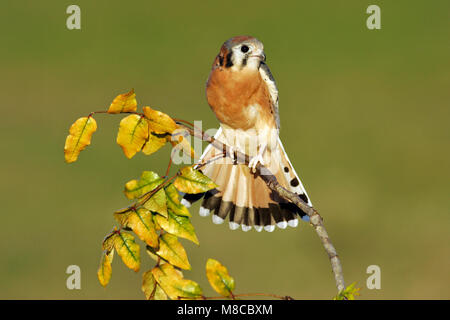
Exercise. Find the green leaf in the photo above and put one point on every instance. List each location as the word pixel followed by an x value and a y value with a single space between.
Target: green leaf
pixel 157 203
pixel 141 222
pixel 219 278
pixel 148 181
pixel 105 270
pixel 193 181
pixel 173 283
pixel 128 250
pixel 348 293
pixel 171 250
pixel 177 225
pixel 173 201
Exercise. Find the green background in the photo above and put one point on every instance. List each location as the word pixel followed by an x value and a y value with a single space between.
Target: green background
pixel 364 119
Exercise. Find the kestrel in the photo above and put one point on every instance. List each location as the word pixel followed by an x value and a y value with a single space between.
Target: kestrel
pixel 244 97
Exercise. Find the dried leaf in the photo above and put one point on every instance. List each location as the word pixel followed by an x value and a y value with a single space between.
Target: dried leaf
pixel 125 102
pixel 177 225
pixel 148 181
pixel 133 133
pixel 171 250
pixel 173 283
pixel 128 250
pixel 105 270
pixel 219 278
pixel 80 134
pixel 158 121
pixel 193 181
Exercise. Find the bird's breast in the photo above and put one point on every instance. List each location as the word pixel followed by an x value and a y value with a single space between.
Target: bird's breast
pixel 240 100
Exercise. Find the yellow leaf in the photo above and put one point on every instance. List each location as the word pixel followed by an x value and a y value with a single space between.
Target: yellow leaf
pixel 153 144
pixel 193 181
pixel 219 278
pixel 157 203
pixel 128 250
pixel 173 283
pixel 108 241
pixel 177 225
pixel 105 270
pixel 151 288
pixel 149 180
pixel 152 254
pixel 133 132
pixel 171 250
pixel 125 102
pixel 141 222
pixel 173 201
pixel 79 137
pixel 158 121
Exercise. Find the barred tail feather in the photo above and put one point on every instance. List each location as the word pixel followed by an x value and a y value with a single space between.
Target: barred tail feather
pixel 244 198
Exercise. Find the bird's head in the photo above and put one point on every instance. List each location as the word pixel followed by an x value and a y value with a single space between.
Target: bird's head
pixel 241 52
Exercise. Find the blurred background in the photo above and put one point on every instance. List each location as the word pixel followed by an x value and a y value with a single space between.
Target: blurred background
pixel 364 119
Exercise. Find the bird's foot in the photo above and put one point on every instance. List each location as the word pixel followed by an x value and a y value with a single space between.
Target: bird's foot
pixel 254 162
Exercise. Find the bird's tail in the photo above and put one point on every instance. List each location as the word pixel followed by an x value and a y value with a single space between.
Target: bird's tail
pixel 245 197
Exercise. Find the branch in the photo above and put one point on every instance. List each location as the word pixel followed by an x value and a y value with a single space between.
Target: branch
pixel 271 181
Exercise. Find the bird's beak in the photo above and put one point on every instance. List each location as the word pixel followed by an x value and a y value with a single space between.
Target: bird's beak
pixel 261 56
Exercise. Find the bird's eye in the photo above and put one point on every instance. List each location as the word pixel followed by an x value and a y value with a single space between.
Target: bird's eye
pixel 244 48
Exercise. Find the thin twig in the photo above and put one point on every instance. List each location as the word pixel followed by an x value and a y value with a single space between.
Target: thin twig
pixel 271 181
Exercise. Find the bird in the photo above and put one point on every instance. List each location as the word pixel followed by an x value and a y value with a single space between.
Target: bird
pixel 243 95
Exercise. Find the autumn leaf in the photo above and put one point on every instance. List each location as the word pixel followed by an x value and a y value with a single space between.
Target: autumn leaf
pixel 158 121
pixel 125 102
pixel 79 137
pixel 133 133
pixel 172 251
pixel 148 181
pixel 141 222
pixel 173 283
pixel 219 278
pixel 105 270
pixel 157 203
pixel 108 241
pixel 173 201
pixel 128 250
pixel 151 288
pixel 177 225
pixel 154 143
pixel 193 181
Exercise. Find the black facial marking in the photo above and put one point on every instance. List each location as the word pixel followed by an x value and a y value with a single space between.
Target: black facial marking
pixel 221 60
pixel 294 182
pixel 229 63
pixel 303 197
pixel 244 62
pixel 286 169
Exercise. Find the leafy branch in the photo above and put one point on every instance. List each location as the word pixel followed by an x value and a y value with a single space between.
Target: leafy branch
pixel 158 218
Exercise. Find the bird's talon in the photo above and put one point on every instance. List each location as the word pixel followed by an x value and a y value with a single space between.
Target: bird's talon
pixel 254 162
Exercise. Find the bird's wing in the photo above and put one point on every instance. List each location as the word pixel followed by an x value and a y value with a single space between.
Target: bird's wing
pixel 273 90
